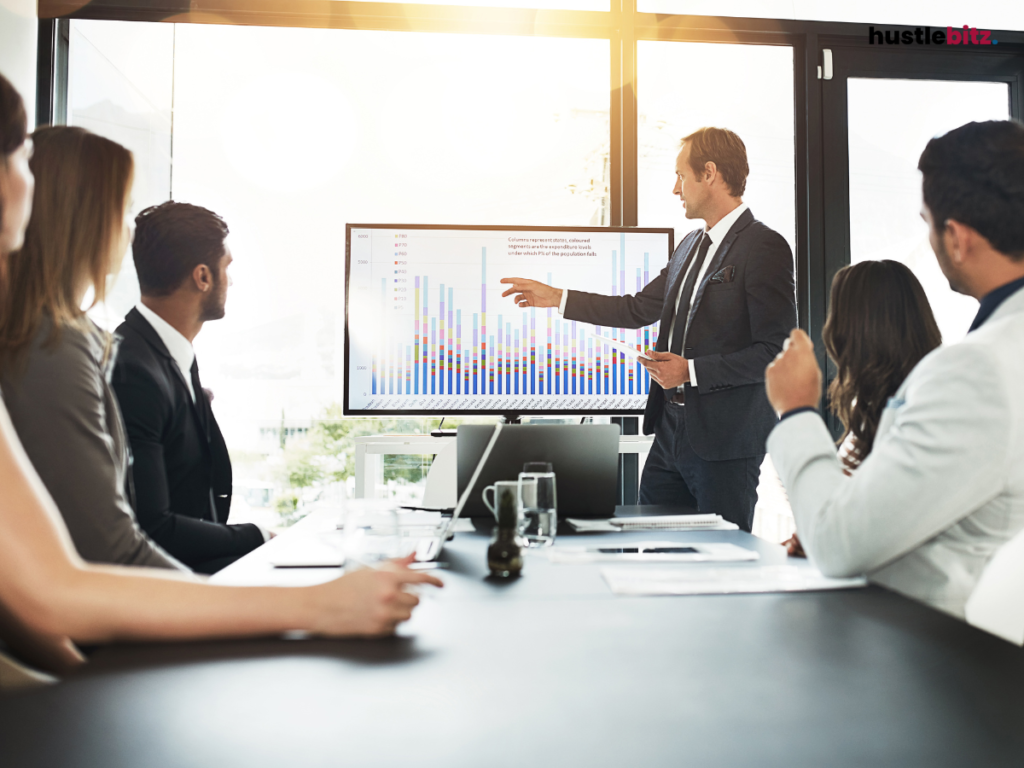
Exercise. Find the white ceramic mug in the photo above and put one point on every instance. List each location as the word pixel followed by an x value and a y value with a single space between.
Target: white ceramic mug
pixel 499 490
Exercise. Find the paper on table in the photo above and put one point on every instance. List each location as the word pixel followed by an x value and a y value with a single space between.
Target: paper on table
pixel 722 581
pixel 665 523
pixel 306 552
pixel 618 345
pixel 648 522
pixel 656 552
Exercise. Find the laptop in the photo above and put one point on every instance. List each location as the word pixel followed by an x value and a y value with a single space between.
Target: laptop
pixel 585 458
pixel 428 548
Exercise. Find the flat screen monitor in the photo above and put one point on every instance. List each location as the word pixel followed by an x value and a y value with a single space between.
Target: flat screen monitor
pixel 427 331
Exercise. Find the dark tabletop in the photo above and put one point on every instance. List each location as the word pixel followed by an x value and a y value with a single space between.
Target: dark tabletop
pixel 552 669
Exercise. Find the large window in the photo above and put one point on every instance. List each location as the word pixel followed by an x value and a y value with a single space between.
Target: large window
pixel 291 133
pixel 885 185
pixel 746 88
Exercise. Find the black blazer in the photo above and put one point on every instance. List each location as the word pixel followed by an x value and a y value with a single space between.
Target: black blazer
pixel 741 313
pixel 182 479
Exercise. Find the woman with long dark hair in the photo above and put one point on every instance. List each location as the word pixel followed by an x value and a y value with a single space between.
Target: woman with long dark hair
pixel 879 326
pixel 50 598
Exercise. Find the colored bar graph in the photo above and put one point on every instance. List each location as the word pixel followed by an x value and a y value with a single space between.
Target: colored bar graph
pixel 506 359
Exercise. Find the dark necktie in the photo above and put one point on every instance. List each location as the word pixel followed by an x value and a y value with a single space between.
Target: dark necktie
pixel 220 466
pixel 686 298
pixel 202 402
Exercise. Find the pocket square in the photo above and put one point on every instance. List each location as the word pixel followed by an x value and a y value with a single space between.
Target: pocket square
pixel 724 275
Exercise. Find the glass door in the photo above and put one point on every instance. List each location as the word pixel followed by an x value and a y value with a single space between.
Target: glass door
pixel 880 108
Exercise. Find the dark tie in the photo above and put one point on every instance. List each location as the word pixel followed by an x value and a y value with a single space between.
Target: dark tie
pixel 220 467
pixel 202 402
pixel 679 321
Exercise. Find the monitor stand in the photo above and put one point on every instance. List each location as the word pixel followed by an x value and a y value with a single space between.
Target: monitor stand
pixel 511 418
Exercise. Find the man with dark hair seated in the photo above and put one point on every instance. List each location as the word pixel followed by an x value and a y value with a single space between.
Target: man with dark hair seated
pixel 943 487
pixel 181 468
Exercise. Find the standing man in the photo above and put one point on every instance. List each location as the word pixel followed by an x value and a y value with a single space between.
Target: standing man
pixel 181 469
pixel 726 302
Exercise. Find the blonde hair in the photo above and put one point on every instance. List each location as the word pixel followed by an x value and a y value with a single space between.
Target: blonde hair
pixel 82 184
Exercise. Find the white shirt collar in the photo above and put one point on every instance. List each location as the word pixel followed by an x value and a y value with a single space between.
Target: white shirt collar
pixel 718 232
pixel 179 347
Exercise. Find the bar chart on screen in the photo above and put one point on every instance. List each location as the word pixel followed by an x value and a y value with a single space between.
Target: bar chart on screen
pixel 428 329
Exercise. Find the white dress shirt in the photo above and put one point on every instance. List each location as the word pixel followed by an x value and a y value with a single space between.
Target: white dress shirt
pixel 717 234
pixel 179 347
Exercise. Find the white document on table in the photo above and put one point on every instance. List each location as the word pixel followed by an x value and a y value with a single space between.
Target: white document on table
pixel 653 552
pixel 307 551
pixel 653 523
pixel 722 581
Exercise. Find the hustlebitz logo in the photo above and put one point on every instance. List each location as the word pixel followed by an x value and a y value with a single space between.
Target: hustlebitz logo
pixel 965 35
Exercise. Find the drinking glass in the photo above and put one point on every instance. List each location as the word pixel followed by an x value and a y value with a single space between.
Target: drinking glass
pixel 538 506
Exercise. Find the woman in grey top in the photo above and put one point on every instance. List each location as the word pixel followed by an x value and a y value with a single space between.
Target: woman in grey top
pixel 55 362
pixel 50 598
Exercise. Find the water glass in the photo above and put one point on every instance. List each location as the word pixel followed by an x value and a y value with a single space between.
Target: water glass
pixel 538 506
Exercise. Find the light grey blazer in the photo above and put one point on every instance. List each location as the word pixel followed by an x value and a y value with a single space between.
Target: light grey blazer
pixel 66 416
pixel 943 487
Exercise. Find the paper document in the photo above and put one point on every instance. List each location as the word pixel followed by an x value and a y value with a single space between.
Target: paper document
pixel 657 523
pixel 620 346
pixel 307 552
pixel 722 581
pixel 653 552
pixel 654 522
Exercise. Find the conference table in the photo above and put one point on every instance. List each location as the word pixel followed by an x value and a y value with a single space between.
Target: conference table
pixel 549 669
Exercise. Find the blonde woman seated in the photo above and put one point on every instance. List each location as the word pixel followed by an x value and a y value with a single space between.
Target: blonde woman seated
pixel 50 598
pixel 879 326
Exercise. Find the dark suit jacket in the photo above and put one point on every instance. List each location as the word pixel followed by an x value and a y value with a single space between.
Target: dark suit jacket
pixel 741 313
pixel 182 478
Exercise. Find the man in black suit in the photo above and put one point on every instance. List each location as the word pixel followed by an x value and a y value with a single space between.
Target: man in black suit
pixel 726 302
pixel 181 467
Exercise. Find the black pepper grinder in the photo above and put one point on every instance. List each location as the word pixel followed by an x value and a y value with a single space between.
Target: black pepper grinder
pixel 505 554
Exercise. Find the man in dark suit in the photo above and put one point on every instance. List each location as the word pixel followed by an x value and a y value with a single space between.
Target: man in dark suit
pixel 726 302
pixel 181 467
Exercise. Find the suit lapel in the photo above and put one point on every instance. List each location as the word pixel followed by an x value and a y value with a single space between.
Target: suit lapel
pixel 716 263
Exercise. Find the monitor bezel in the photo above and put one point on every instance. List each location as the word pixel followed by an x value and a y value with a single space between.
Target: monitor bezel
pixel 347 411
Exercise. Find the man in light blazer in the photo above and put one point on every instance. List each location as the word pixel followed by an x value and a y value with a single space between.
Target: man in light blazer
pixel 726 301
pixel 943 487
pixel 181 466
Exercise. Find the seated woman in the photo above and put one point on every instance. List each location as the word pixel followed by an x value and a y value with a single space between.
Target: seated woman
pixel 55 363
pixel 879 326
pixel 50 598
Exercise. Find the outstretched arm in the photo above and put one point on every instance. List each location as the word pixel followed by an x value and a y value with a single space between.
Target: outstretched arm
pixel 633 311
pixel 48 590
